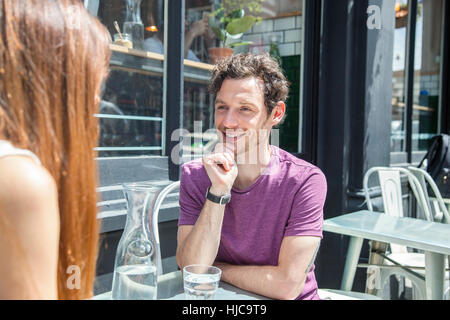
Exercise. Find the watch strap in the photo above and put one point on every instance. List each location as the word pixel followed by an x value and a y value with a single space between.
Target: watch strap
pixel 218 199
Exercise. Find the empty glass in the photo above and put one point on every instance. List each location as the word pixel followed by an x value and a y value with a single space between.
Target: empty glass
pixel 201 281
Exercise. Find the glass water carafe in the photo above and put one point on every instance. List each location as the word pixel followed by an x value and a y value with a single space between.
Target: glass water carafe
pixel 135 269
pixel 133 23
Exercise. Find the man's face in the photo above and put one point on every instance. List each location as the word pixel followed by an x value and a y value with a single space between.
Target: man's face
pixel 241 115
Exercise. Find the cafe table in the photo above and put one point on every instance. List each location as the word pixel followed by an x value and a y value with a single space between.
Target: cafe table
pixel 170 287
pixel 431 237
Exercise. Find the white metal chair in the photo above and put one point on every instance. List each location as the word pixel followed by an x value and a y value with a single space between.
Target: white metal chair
pixel 388 264
pixel 436 205
pixel 158 202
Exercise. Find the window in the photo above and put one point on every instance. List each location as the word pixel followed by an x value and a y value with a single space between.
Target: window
pixel 132 115
pixel 271 26
pixel 416 82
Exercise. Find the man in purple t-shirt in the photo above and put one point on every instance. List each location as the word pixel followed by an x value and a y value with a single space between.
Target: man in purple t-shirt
pixel 250 208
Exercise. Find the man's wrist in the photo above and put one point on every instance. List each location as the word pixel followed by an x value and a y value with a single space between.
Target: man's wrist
pixel 218 191
pixel 222 266
pixel 222 199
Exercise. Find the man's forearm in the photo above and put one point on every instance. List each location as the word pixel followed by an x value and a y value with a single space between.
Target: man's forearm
pixel 268 281
pixel 202 244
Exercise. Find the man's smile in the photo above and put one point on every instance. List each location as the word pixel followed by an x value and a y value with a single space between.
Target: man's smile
pixel 233 135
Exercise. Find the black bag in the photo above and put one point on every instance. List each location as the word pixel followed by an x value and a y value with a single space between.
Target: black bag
pixel 438 163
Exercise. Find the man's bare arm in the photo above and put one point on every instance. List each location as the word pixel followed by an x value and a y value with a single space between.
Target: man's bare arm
pixel 284 281
pixel 199 244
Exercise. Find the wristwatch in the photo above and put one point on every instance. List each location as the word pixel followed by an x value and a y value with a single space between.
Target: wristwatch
pixel 216 199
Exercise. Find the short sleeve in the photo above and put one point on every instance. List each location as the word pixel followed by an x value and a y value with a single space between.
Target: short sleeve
pixel 306 218
pixel 190 203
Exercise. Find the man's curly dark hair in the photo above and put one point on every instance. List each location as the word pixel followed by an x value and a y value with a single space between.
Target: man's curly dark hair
pixel 246 65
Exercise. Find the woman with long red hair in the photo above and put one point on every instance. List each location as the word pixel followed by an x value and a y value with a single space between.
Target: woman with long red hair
pixel 54 57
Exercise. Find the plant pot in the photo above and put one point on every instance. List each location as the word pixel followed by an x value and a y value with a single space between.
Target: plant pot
pixel 216 54
pixel 401 19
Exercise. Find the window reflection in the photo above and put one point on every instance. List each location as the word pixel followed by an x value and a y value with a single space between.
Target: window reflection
pixel 273 26
pixel 398 125
pixel 427 67
pixel 131 114
pixel 141 20
pixel 131 110
pixel 426 75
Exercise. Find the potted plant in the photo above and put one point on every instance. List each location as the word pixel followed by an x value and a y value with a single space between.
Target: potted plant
pixel 229 22
pixel 401 15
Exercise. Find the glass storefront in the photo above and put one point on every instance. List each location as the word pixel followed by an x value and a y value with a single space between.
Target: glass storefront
pixel 220 28
pixel 426 74
pixel 427 70
pixel 398 127
pixel 132 108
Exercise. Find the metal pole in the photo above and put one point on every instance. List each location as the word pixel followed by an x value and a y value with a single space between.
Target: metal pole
pixel 174 57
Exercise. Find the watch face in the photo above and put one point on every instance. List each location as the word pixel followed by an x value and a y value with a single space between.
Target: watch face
pixel 225 199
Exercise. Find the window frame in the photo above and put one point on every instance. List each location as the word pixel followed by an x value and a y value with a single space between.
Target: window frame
pixel 410 156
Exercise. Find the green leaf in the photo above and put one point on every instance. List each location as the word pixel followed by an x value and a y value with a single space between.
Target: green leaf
pixel 242 43
pixel 236 14
pixel 219 13
pixel 218 32
pixel 241 25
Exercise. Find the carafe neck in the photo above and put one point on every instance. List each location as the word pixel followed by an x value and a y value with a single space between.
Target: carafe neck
pixel 133 11
pixel 140 201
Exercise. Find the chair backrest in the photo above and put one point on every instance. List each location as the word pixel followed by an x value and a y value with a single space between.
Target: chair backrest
pixel 154 223
pixel 390 183
pixel 391 191
pixel 436 204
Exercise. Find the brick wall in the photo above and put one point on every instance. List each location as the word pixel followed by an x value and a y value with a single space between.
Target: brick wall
pixel 285 32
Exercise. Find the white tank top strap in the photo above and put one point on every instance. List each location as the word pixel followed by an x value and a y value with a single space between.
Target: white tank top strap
pixel 7 149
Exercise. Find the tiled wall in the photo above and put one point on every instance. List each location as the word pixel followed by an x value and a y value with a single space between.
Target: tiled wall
pixel 428 83
pixel 286 32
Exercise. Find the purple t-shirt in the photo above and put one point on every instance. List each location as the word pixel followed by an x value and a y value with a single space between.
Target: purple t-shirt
pixel 286 200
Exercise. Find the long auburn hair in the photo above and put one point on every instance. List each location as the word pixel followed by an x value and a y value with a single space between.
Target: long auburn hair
pixel 54 56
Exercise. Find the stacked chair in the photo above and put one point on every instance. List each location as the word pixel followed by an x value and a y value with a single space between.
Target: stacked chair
pixel 393 259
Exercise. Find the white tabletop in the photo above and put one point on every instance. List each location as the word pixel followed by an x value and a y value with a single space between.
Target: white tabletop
pixel 416 233
pixel 170 287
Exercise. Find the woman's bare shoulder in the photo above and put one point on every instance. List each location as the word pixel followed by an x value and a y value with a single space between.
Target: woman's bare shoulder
pixel 29 219
pixel 25 185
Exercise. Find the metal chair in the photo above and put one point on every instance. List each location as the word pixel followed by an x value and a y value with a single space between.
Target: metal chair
pixel 436 205
pixel 384 263
pixel 158 202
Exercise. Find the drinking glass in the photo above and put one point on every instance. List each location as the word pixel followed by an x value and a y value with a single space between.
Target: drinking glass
pixel 201 281
pixel 123 39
